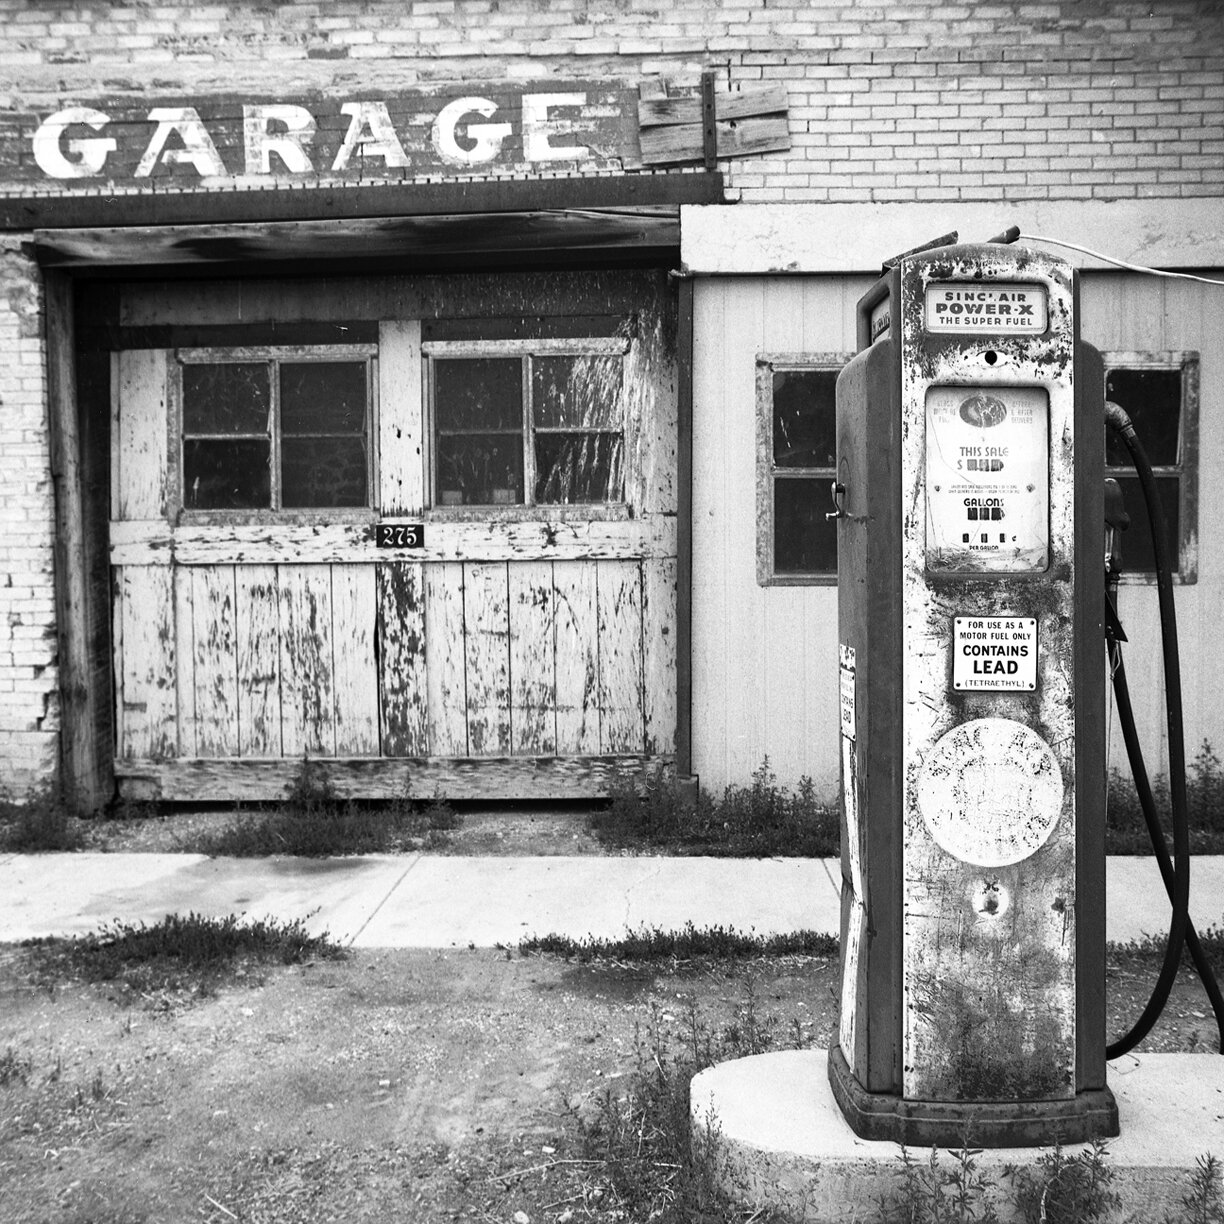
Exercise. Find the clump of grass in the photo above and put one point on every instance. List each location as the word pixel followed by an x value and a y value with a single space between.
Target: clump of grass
pixel 755 821
pixel 178 955
pixel 689 943
pixel 930 1193
pixel 13 1068
pixel 43 822
pixel 314 822
pixel 1203 1203
pixel 1062 1189
pixel 637 1136
pixel 1126 831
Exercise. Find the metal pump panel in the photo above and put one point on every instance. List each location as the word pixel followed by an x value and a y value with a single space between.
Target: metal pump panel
pixel 970 462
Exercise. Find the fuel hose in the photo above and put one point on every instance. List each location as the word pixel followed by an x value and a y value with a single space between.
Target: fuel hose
pixel 1176 875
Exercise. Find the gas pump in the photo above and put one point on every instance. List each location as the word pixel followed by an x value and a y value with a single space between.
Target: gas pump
pixel 969 499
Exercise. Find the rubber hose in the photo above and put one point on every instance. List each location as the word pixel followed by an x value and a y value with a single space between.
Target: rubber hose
pixel 1147 801
pixel 1120 423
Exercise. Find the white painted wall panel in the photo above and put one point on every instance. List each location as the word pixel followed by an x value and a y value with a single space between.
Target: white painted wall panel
pixel 764 658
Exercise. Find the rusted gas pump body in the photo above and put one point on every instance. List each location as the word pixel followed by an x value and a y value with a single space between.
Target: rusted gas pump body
pixel 970 578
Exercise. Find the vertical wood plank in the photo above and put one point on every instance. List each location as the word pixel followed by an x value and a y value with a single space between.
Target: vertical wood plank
pixel 116 385
pixel 575 628
pixel 141 440
pixel 445 672
pixel 147 690
pixel 354 617
pixel 184 654
pixel 402 684
pixel 307 720
pixel 486 632
pixel 400 418
pixel 621 699
pixel 258 638
pixel 659 653
pixel 533 676
pixel 215 669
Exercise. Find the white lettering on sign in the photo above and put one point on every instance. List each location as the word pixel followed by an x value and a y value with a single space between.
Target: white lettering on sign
pixel 89 153
pixel 990 791
pixel 278 137
pixel 486 138
pixel 846 671
pixel 538 127
pixel 994 654
pixel 198 149
pixel 292 145
pixel 1000 308
pixel 371 131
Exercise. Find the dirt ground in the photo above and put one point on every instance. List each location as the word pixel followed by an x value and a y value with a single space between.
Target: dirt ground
pixel 390 1086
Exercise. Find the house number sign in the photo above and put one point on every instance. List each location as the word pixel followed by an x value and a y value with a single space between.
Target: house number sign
pixel 400 535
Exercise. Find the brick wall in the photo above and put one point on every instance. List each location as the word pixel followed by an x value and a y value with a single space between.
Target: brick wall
pixel 28 693
pixel 887 101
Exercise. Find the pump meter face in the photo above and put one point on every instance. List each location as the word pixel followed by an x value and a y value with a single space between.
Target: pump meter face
pixel 987 479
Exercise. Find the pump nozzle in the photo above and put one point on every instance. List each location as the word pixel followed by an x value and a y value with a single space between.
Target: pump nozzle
pixel 1009 235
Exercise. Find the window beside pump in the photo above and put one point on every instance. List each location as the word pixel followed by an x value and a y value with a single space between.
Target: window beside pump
pixel 275 430
pixel 527 423
pixel 796 465
pixel 1159 392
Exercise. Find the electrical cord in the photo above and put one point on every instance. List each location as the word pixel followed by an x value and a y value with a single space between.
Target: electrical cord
pixel 1177 876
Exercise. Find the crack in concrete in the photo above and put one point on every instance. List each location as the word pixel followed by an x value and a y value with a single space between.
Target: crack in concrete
pixel 390 891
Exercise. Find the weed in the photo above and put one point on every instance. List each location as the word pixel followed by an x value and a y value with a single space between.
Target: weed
pixel 931 1194
pixel 1126 830
pixel 756 821
pixel 689 943
pixel 639 1136
pixel 177 955
pixel 314 821
pixel 1062 1189
pixel 13 1068
pixel 43 822
pixel 1203 1203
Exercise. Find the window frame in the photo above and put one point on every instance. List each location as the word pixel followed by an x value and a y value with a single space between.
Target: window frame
pixel 767 364
pixel 1188 362
pixel 274 356
pixel 524 350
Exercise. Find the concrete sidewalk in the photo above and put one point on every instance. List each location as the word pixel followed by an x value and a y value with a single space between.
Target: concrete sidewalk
pixel 438 901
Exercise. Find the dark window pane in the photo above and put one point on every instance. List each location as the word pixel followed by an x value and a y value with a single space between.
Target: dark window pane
pixel 805 542
pixel 576 392
pixel 226 398
pixel 578 467
pixel 804 418
pixel 323 472
pixel 483 393
pixel 480 470
pixel 1152 399
pixel 224 475
pixel 323 397
pixel 1138 552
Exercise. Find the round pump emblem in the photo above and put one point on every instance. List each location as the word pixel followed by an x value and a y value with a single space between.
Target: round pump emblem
pixel 990 791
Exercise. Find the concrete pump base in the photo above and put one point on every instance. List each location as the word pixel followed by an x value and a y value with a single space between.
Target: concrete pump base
pixel 772 1135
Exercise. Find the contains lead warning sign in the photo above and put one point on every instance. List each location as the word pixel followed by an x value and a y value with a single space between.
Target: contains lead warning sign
pixel 992 654
pixel 974 307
